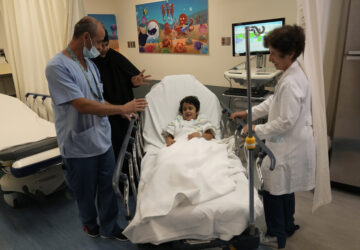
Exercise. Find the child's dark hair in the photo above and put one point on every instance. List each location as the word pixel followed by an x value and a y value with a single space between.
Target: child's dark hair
pixel 191 100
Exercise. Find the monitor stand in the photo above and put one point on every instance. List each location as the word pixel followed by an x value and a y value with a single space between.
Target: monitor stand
pixel 260 62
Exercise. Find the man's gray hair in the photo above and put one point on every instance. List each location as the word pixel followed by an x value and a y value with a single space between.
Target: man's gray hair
pixel 86 24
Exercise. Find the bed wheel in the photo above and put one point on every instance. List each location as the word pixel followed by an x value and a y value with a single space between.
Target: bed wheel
pixel 12 200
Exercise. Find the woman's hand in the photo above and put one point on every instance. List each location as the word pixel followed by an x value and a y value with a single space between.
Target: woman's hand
pixel 193 135
pixel 140 79
pixel 245 129
pixel 240 114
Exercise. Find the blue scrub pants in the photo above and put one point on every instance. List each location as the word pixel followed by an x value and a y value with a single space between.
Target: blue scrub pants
pixel 90 180
pixel 279 215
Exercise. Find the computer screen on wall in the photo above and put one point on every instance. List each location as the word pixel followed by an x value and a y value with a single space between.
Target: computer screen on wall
pixel 256 43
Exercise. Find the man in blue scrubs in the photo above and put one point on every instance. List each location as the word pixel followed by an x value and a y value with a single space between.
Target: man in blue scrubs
pixel 83 129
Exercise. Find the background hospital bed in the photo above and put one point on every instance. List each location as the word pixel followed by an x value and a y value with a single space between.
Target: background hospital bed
pixel 30 160
pixel 247 240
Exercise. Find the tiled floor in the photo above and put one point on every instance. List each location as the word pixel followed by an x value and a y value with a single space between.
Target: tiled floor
pixel 49 224
pixel 53 224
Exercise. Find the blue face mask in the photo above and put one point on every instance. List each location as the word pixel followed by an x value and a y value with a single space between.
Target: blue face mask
pixel 92 53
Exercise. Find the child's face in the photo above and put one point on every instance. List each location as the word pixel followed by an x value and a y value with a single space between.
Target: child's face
pixel 189 111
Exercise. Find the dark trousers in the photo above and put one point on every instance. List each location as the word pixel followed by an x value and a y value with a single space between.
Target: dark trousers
pixel 279 215
pixel 90 179
pixel 119 128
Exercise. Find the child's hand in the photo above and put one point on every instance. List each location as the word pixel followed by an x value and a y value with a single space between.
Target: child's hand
pixel 169 141
pixel 192 135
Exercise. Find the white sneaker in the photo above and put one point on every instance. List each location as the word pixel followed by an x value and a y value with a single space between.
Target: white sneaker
pixel 268 241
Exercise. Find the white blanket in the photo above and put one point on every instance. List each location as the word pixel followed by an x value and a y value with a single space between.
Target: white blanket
pixel 194 171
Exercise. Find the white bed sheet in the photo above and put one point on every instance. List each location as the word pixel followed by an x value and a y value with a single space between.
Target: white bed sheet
pixel 223 217
pixel 20 124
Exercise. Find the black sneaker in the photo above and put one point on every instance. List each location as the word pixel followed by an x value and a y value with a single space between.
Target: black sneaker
pixel 92 232
pixel 118 236
pixel 291 232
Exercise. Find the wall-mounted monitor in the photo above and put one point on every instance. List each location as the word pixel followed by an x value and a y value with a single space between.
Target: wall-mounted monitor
pixel 256 43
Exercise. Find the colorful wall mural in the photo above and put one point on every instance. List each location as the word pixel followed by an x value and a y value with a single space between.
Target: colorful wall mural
pixel 109 22
pixel 173 26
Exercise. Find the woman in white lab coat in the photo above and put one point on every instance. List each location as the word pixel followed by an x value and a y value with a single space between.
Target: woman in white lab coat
pixel 288 133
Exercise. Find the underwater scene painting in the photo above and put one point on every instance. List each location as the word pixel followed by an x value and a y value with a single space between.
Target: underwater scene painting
pixel 173 26
pixel 110 25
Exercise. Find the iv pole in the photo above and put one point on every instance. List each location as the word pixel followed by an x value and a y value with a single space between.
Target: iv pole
pixel 250 139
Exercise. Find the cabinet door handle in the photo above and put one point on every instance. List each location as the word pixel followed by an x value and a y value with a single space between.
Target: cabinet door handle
pixel 354 52
pixel 353 58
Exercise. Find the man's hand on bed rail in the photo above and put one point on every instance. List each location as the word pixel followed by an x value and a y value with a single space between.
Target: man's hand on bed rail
pixel 87 106
pixel 134 106
pixel 140 79
pixel 130 116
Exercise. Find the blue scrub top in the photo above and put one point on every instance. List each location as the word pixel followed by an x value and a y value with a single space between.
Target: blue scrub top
pixel 79 135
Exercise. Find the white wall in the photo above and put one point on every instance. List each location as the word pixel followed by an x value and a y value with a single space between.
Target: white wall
pixel 209 69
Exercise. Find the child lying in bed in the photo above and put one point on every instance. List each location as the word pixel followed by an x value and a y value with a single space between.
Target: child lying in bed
pixel 189 122
pixel 194 170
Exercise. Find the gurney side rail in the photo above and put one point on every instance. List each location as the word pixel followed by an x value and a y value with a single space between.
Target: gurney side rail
pixel 258 141
pixel 130 151
pixel 35 105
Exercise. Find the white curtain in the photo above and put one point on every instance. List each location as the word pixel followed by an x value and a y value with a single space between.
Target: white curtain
pixel 313 16
pixel 35 31
pixel 75 11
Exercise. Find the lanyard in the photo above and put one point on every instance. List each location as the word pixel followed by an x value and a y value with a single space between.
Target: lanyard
pixel 74 57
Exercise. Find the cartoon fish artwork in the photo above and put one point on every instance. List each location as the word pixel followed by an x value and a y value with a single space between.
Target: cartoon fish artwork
pixel 143 20
pixel 197 45
pixel 204 49
pixel 113 28
pixel 203 28
pixel 163 11
pixel 142 39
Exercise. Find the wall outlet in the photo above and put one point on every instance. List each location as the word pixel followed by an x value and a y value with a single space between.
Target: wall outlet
pixel 2 52
pixel 225 41
pixel 131 44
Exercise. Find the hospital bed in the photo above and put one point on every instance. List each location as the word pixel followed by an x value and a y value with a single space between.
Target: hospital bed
pixel 30 161
pixel 219 222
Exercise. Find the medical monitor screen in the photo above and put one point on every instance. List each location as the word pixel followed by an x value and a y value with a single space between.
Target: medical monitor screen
pixel 256 42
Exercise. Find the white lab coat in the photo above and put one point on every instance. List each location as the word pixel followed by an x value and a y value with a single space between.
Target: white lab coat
pixel 289 134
